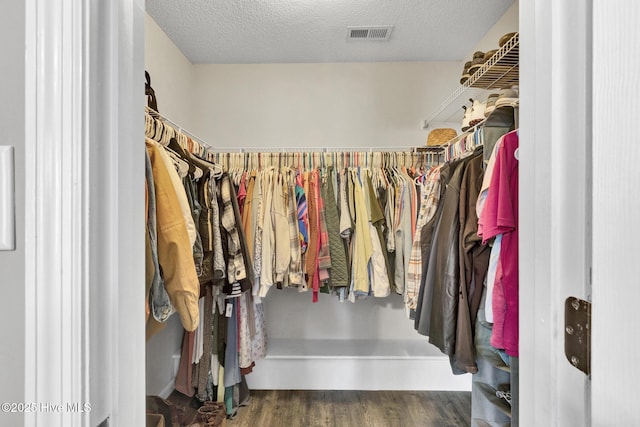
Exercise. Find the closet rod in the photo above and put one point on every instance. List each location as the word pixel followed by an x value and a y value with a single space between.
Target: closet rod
pixel 471 130
pixel 153 113
pixel 464 134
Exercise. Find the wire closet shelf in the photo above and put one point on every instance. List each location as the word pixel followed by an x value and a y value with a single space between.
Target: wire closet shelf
pixel 500 71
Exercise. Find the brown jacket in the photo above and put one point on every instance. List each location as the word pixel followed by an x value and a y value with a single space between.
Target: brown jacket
pixel 445 268
pixel 474 262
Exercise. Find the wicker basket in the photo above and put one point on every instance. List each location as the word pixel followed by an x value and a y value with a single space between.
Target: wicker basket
pixel 440 136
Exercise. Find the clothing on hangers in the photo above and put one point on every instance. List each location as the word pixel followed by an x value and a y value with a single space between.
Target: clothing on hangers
pixel 174 241
pixel 500 216
pixel 200 250
pixel 430 196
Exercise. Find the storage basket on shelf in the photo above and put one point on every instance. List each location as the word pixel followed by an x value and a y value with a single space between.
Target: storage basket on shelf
pixel 440 136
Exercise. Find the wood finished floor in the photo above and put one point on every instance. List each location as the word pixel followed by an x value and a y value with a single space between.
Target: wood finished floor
pixel 286 408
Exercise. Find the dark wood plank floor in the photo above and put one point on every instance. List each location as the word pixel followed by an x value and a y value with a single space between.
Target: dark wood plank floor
pixel 284 408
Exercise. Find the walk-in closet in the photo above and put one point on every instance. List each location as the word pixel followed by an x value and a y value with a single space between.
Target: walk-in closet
pixel 344 213
pixel 338 151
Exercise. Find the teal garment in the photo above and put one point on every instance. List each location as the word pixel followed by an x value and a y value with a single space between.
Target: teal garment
pixel 228 400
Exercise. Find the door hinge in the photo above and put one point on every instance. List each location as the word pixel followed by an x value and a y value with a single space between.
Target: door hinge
pixel 577 333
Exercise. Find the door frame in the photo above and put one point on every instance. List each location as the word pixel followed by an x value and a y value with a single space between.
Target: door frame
pixel 555 204
pixel 84 312
pixel 616 180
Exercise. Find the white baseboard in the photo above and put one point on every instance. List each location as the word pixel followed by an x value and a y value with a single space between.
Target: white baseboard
pixel 171 385
pixel 175 359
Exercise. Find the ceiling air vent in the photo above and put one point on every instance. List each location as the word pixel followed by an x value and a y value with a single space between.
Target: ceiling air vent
pixel 378 32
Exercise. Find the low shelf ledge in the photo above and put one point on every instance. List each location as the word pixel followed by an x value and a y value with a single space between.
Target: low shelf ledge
pixel 380 364
pixel 352 349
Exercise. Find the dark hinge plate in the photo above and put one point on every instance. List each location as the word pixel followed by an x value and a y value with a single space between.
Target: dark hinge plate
pixel 577 333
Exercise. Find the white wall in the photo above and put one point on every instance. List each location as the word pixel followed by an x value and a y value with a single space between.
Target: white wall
pixel 12 263
pixel 319 105
pixel 508 23
pixel 159 359
pixel 292 315
pixel 171 74
pixel 171 78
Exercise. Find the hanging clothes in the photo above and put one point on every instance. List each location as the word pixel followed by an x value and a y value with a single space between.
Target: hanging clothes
pixel 429 197
pixel 190 189
pixel 440 305
pixel 406 230
pixel 314 231
pixel 425 294
pixel 474 261
pixel 338 276
pixel 257 217
pixel 496 244
pixel 175 254
pixel 303 219
pixel 280 223
pixel 362 245
pixel 213 265
pixel 157 298
pixel 238 264
pixel 203 362
pixel 198 249
pixel 181 194
pixel 380 284
pixel 500 216
pixel 309 206
pixel 324 253
pixel 295 276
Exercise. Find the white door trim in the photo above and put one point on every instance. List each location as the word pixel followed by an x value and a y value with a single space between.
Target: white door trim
pixel 56 213
pixel 555 204
pixel 616 203
pixel 84 132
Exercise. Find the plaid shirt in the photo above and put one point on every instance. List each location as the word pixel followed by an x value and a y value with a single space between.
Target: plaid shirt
pixel 236 270
pixel 429 198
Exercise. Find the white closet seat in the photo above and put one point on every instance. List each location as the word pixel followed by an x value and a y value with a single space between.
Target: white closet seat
pixel 366 364
pixel 350 349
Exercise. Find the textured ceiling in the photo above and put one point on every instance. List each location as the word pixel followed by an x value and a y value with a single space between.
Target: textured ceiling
pixel 299 31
